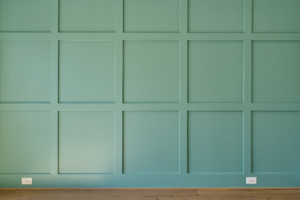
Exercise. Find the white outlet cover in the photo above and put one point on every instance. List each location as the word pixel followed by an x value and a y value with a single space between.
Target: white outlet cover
pixel 251 180
pixel 26 181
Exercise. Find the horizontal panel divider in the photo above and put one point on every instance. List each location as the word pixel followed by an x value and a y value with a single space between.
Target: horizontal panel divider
pixel 154 106
pixel 148 36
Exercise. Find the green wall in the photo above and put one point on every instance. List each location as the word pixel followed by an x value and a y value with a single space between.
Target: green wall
pixel 149 93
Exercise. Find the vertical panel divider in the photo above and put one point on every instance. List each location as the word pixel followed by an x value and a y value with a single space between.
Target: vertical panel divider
pixel 183 17
pixel 247 85
pixel 119 89
pixel 248 16
pixel 119 108
pixel 119 16
pixel 183 106
pixel 183 87
pixel 54 88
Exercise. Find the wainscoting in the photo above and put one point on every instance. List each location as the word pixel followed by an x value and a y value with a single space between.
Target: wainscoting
pixel 149 93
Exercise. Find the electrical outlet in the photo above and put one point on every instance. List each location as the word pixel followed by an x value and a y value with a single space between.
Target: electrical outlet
pixel 26 181
pixel 251 180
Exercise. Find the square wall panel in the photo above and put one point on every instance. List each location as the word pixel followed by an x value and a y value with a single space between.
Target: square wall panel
pixel 24 142
pixel 276 71
pixel 215 142
pixel 151 143
pixel 87 71
pixel 24 72
pixel 216 16
pixel 277 16
pixel 87 15
pixel 86 142
pixel 151 16
pixel 215 72
pixel 151 71
pixel 25 16
pixel 275 142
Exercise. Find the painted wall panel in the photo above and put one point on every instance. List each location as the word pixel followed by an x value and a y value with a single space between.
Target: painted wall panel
pixel 277 16
pixel 151 71
pixel 151 16
pixel 86 15
pixel 86 142
pixel 215 142
pixel 151 143
pixel 149 93
pixel 24 142
pixel 275 142
pixel 24 71
pixel 276 71
pixel 25 16
pixel 87 71
pixel 215 80
pixel 216 16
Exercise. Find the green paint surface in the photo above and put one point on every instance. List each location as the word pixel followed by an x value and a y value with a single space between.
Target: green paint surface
pixel 215 80
pixel 87 15
pixel 275 140
pixel 86 71
pixel 151 71
pixel 276 70
pixel 152 147
pixel 215 142
pixel 276 16
pixel 25 16
pixel 24 71
pixel 215 16
pixel 86 142
pixel 149 93
pixel 24 142
pixel 151 16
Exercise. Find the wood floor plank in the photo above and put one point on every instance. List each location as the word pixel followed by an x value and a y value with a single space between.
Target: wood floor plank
pixel 150 194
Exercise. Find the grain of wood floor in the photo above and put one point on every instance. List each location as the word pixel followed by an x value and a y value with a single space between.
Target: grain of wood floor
pixel 150 194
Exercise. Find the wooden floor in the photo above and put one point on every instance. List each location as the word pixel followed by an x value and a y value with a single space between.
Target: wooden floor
pixel 150 194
